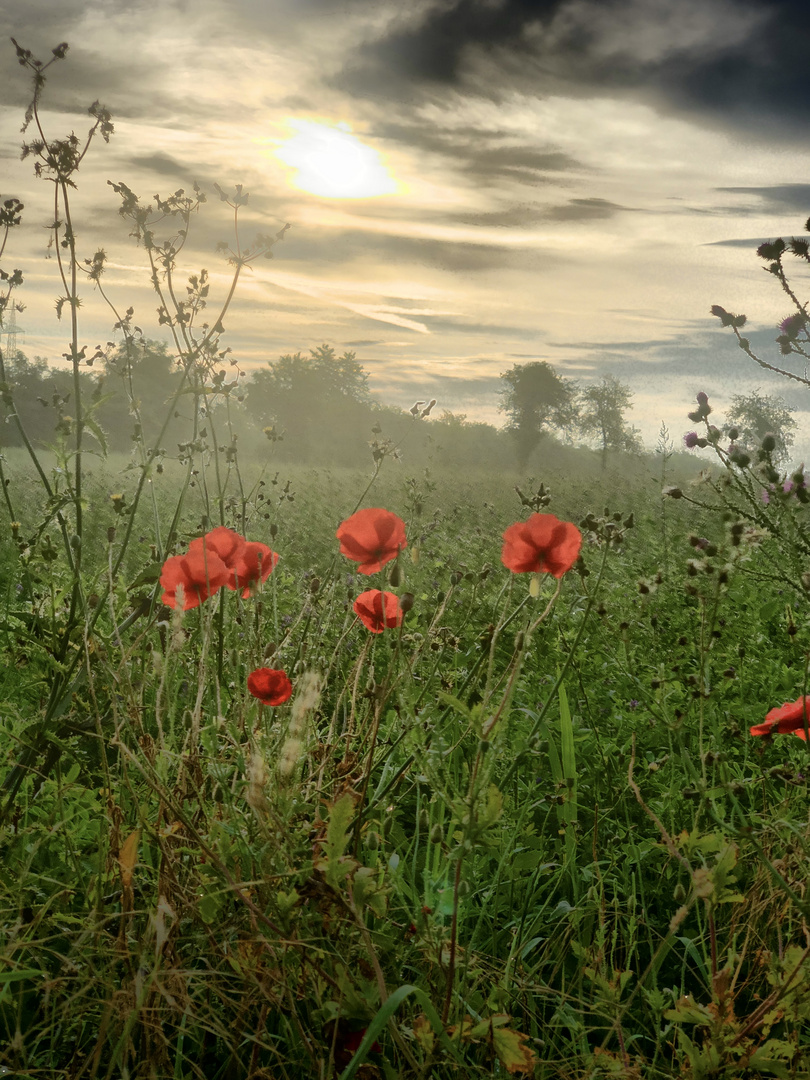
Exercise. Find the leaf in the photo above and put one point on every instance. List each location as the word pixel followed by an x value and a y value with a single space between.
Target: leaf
pixel 455 704
pixel 512 1051
pixel 333 864
pixel 688 1011
pixel 209 908
pixel 148 576
pixel 424 1034
pixel 94 428
pixel 128 856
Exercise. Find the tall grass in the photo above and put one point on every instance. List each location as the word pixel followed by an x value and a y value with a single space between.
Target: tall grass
pixel 523 832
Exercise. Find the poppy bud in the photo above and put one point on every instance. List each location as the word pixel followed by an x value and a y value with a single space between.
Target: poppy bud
pixel 111 534
pixel 679 893
pixel 456 577
pixel 436 834
pixel 406 602
pixel 395 576
pixel 424 819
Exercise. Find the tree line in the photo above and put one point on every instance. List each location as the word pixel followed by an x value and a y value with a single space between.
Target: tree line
pixel 318 408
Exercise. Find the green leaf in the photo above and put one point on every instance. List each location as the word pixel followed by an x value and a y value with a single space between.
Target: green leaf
pixel 333 864
pixel 96 431
pixel 209 908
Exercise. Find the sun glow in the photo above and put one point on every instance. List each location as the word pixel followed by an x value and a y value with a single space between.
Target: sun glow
pixel 334 163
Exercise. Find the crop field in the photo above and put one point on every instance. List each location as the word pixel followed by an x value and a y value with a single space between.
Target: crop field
pixel 398 771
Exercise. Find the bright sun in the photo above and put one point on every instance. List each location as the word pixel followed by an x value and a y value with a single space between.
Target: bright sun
pixel 332 162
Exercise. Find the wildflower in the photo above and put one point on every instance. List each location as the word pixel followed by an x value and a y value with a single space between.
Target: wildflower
pixel 792 326
pixel 789 717
pixel 690 440
pixel 378 610
pixel 248 561
pixel 372 538
pixel 541 544
pixel 199 574
pixel 269 686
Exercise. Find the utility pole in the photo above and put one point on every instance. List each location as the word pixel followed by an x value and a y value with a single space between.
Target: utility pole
pixel 9 331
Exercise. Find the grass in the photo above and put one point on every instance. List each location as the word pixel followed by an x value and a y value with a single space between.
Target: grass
pixel 523 832
pixel 608 880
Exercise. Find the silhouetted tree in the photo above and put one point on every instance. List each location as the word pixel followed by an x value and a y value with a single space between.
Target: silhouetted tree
pixel 755 415
pixel 536 398
pixel 601 415
pixel 313 399
pixel 140 381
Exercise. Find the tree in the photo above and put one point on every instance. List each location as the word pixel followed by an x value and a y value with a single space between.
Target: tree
pixel 312 398
pixel 536 398
pixel 602 409
pixel 145 379
pixel 755 415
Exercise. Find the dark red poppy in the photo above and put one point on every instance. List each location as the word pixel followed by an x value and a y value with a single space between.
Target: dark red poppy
pixel 786 718
pixel 200 573
pixel 378 610
pixel 248 561
pixel 269 686
pixel 541 544
pixel 372 537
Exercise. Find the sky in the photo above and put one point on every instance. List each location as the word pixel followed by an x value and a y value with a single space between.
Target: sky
pixel 469 184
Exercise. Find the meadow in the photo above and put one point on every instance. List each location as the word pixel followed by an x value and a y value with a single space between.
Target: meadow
pixel 392 772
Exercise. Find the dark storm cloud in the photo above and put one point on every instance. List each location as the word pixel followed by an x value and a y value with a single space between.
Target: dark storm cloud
pixel 434 51
pixel 776 197
pixel 749 68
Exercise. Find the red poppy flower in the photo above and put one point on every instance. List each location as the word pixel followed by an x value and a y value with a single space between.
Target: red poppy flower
pixel 372 538
pixel 269 686
pixel 542 544
pixel 248 562
pixel 200 573
pixel 378 610
pixel 787 718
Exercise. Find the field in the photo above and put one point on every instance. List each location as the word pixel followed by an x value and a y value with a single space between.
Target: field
pixel 412 771
pixel 478 843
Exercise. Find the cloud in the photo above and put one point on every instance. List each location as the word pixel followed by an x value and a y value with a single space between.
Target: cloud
pixel 776 198
pixel 585 210
pixel 741 60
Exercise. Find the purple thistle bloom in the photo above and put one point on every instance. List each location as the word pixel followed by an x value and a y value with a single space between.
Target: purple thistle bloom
pixel 690 439
pixel 792 325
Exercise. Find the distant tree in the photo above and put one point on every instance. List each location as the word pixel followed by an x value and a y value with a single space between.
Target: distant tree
pixel 38 395
pixel 536 398
pixel 141 381
pixel 469 443
pixel 310 397
pixel 601 416
pixel 755 415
